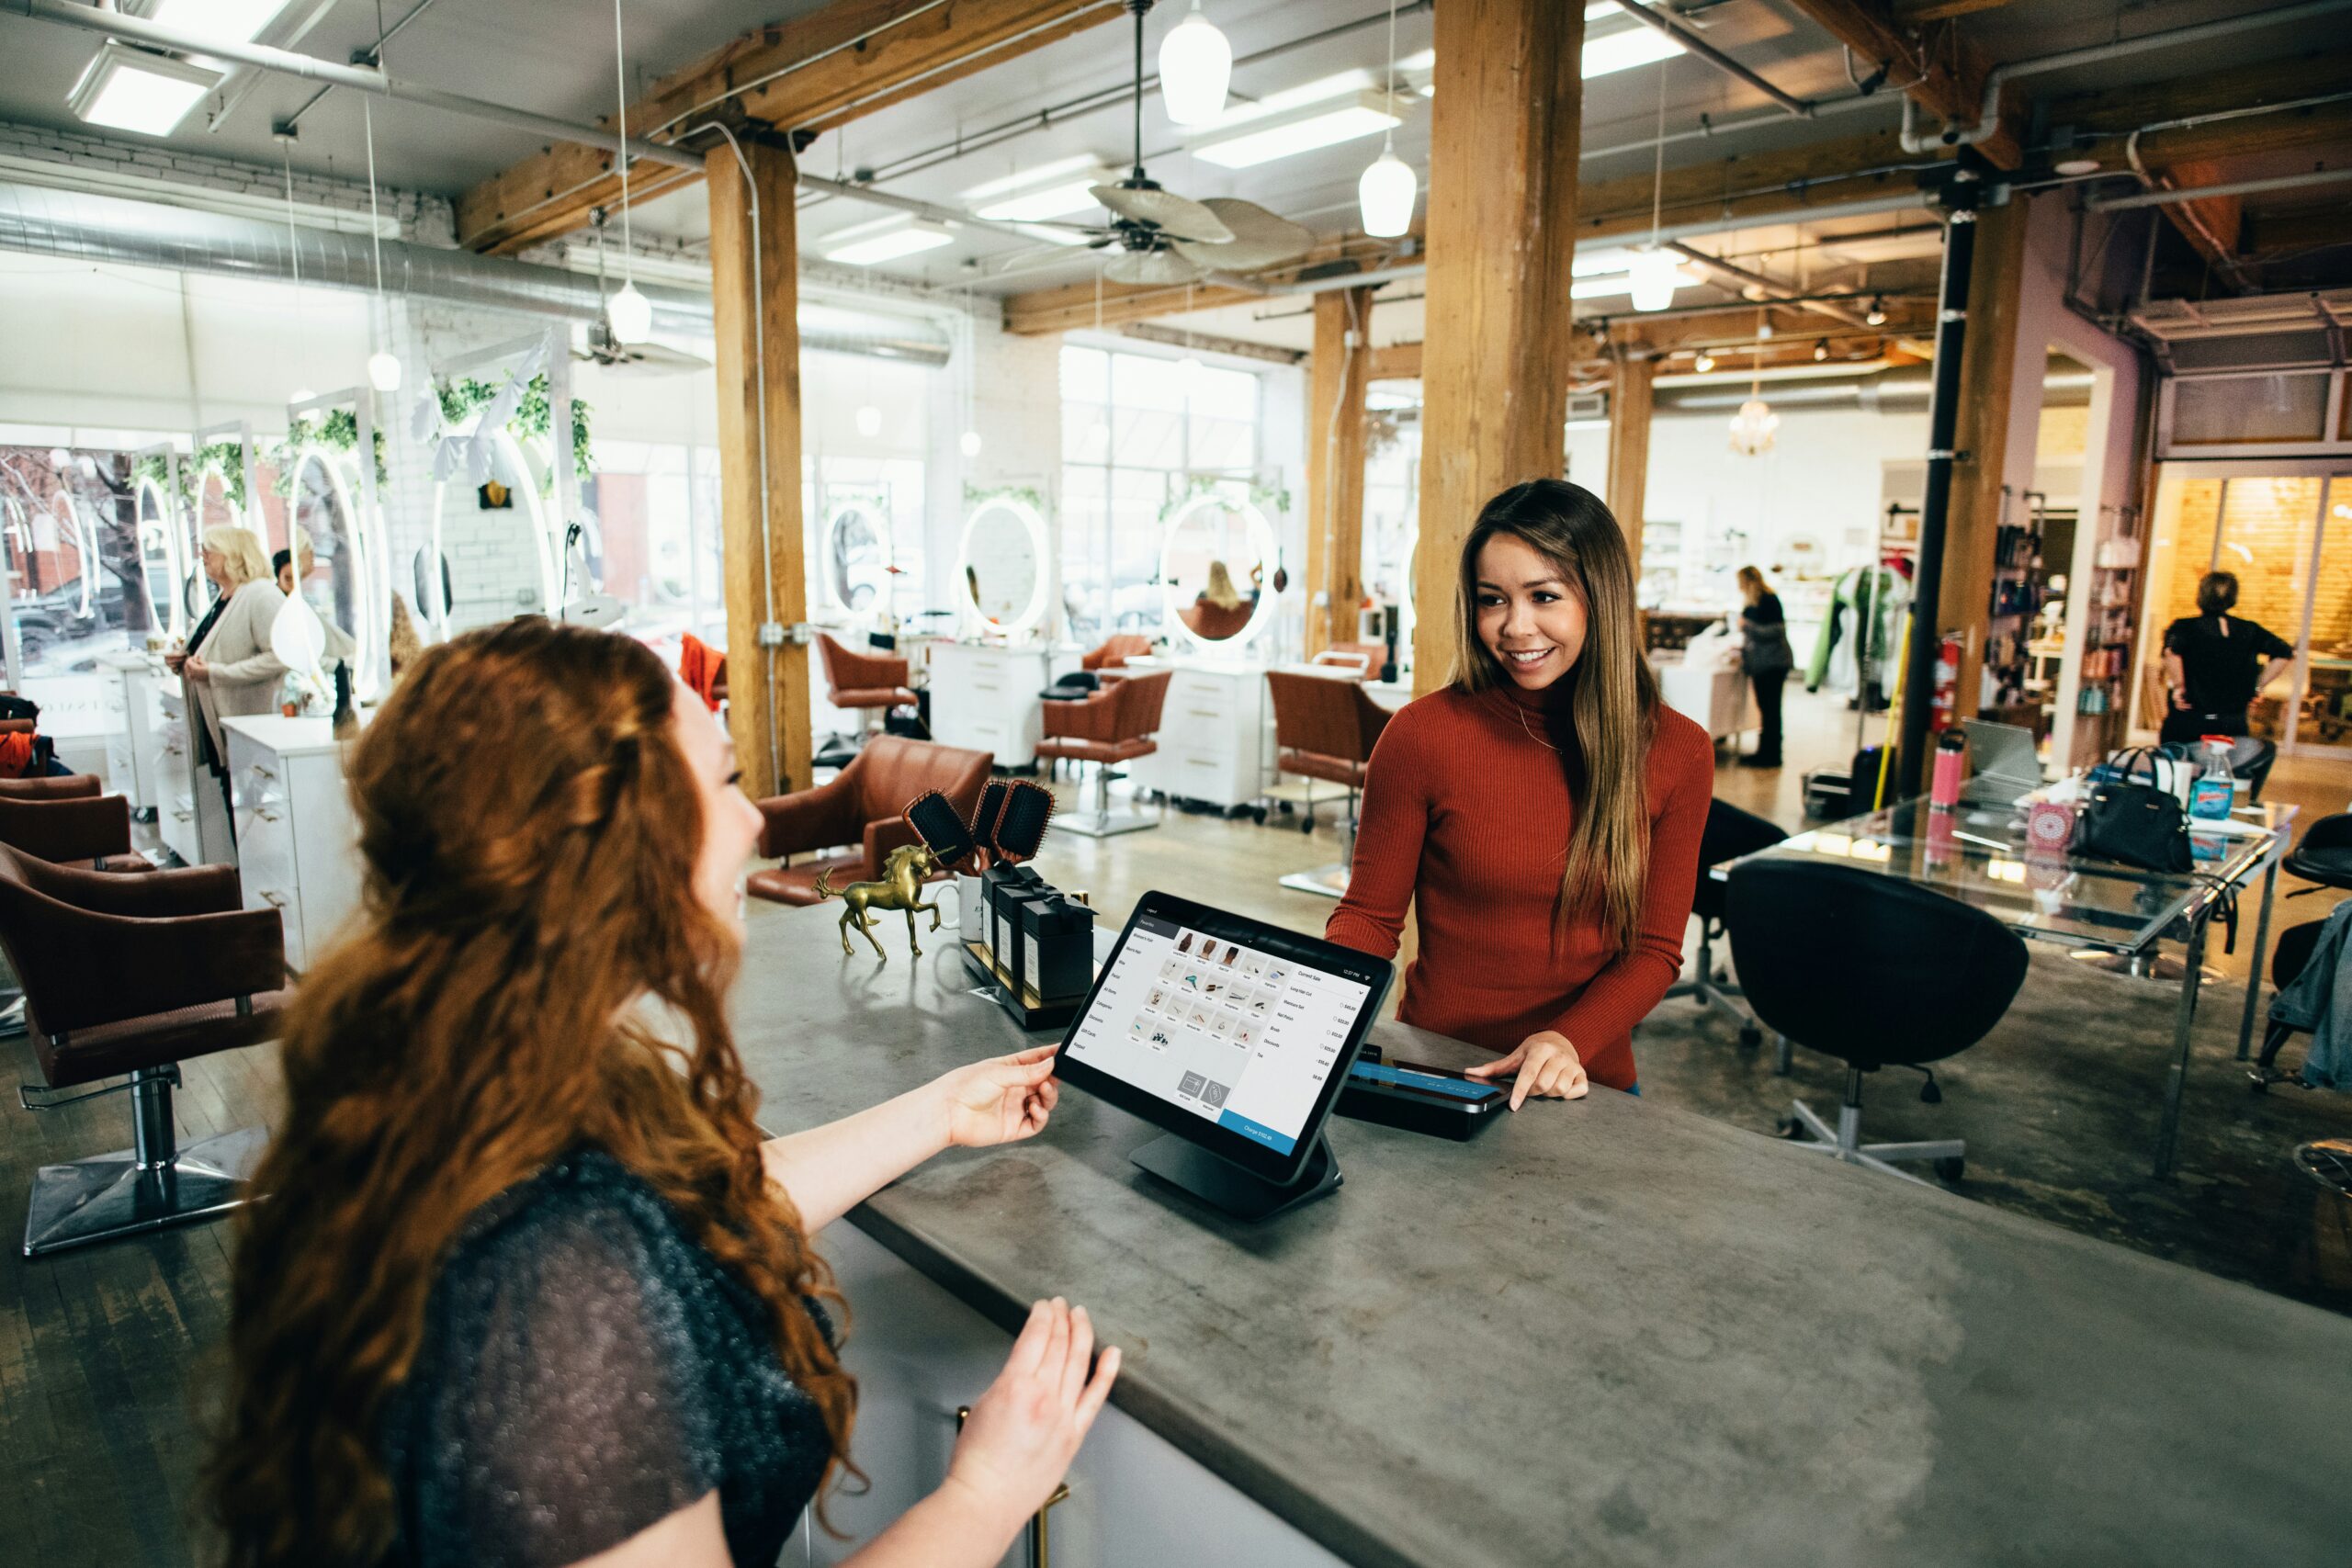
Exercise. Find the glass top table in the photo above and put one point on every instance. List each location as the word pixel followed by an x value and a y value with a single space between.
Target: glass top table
pixel 1981 855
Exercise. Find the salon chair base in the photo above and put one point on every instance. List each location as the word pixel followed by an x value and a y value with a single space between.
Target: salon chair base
pixel 145 1188
pixel 1806 1130
pixel 1102 822
pixel 2161 966
pixel 1324 881
pixel 1714 994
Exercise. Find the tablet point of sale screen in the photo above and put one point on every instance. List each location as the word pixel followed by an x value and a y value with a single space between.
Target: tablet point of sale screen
pixel 1237 1035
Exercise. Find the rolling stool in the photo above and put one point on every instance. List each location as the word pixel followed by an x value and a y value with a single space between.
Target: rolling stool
pixel 1729 834
pixel 1920 977
pixel 2323 855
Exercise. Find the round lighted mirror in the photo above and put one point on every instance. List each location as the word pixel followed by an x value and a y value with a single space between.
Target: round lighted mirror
pixel 857 557
pixel 503 507
pixel 1213 570
pixel 158 558
pixel 1003 558
pixel 329 566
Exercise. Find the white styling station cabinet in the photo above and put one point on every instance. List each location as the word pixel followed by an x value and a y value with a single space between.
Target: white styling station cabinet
pixel 1215 734
pixel 191 817
pixel 985 697
pixel 297 842
pixel 135 683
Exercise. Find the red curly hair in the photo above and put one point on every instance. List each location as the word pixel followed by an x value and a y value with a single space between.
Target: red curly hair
pixel 529 827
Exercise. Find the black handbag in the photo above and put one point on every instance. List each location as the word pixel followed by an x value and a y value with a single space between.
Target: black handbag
pixel 2135 824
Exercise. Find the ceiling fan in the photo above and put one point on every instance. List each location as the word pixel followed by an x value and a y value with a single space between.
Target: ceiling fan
pixel 606 349
pixel 1167 238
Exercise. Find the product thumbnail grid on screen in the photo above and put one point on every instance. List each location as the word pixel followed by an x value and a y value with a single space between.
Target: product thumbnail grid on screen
pixel 1236 1035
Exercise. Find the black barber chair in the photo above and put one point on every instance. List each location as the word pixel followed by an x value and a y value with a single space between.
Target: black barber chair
pixel 1729 834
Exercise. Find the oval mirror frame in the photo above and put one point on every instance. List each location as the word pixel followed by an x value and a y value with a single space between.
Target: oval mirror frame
pixel 1261 536
pixel 1033 524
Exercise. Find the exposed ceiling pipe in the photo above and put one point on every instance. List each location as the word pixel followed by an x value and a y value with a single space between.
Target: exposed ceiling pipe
pixel 78 226
pixel 1688 36
pixel 139 30
pixel 953 217
pixel 1756 283
pixel 1905 388
pixel 2234 188
pixel 1988 113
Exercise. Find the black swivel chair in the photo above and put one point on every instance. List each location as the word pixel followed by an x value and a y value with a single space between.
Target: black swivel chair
pixel 2323 854
pixel 2289 956
pixel 2250 759
pixel 1876 971
pixel 1730 833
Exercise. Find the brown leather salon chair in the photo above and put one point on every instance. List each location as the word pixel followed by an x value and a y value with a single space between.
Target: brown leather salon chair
pixel 1116 651
pixel 1325 727
pixel 135 975
pixel 66 820
pixel 1114 724
pixel 862 807
pixel 867 683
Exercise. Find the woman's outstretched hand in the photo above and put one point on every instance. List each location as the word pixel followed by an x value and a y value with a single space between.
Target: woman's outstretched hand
pixel 1027 1429
pixel 1001 1101
pixel 1546 1067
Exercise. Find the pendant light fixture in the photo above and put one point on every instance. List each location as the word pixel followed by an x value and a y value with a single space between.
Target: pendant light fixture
pixel 1195 67
pixel 1752 426
pixel 302 392
pixel 1388 187
pixel 969 441
pixel 1656 271
pixel 630 312
pixel 383 365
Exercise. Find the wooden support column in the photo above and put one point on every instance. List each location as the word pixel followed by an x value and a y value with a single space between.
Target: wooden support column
pixel 1502 209
pixel 1630 404
pixel 755 316
pixel 1988 369
pixel 1335 376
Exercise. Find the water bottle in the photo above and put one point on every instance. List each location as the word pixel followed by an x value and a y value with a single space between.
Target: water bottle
pixel 1951 771
pixel 2210 791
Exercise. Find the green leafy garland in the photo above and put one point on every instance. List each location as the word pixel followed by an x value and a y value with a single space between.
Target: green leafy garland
pixel 226 456
pixel 534 415
pixel 339 431
pixel 1035 498
pixel 1266 498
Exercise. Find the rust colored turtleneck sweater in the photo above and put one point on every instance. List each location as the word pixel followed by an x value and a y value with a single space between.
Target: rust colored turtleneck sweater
pixel 1466 813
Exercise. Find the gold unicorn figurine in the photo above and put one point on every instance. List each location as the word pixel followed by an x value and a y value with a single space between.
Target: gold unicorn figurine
pixel 901 889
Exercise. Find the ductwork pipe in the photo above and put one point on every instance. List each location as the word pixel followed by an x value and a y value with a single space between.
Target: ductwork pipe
pixel 79 226
pixel 1988 114
pixel 1905 391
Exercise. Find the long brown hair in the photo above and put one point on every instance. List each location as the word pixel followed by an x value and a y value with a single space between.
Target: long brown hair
pixel 1612 705
pixel 529 827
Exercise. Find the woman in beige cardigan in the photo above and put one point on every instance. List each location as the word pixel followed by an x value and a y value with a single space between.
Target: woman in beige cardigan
pixel 229 668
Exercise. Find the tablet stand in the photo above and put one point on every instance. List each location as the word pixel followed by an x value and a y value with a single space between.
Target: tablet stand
pixel 1223 1185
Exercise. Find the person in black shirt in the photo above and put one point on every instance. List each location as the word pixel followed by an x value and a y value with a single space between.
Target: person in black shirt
pixel 1765 654
pixel 2214 663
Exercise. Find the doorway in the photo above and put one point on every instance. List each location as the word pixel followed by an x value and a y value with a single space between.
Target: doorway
pixel 2285 529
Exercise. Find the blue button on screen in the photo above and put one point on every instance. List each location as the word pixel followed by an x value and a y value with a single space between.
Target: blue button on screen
pixel 1256 1133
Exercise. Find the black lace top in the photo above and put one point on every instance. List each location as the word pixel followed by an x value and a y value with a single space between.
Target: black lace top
pixel 587 1369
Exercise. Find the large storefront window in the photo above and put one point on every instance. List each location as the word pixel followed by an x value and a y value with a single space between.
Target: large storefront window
pixel 1139 434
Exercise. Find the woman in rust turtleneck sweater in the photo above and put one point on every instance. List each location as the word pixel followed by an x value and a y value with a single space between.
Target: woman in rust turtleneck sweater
pixel 1542 813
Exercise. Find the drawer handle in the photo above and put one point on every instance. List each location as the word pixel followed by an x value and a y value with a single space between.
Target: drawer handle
pixel 275 900
pixel 266 816
pixel 179 816
pixel 263 772
pixel 1204 713
pixel 1198 762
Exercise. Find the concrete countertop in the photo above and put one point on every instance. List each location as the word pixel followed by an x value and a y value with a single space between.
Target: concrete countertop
pixel 1605 1332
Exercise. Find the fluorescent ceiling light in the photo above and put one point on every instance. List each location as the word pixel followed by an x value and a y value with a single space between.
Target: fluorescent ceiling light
pixel 1366 114
pixel 1056 200
pixel 1054 173
pixel 1607 54
pixel 236 21
pixel 1056 236
pixel 129 89
pixel 1620 283
pixel 1637 45
pixel 891 243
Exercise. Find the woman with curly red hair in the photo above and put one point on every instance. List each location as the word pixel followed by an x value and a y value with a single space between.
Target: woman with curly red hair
pixel 522 1284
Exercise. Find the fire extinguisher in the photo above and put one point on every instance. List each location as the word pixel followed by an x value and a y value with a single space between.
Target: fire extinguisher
pixel 1947 697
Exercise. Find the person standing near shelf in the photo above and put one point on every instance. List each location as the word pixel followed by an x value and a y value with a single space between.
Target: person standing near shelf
pixel 1541 814
pixel 2215 663
pixel 1765 654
